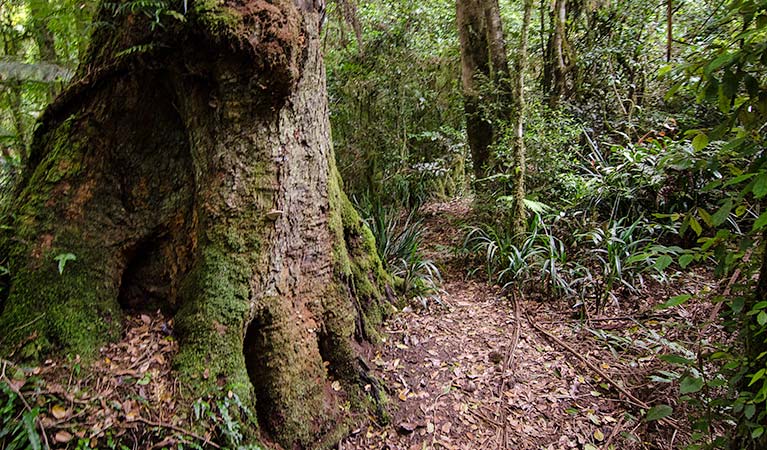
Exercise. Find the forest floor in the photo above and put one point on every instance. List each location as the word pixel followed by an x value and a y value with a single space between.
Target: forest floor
pixel 474 373
pixel 471 371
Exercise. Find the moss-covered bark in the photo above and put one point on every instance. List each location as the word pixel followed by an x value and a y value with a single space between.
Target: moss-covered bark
pixel 483 59
pixel 190 168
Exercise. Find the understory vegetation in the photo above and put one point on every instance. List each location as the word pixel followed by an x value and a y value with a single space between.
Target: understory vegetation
pixel 645 164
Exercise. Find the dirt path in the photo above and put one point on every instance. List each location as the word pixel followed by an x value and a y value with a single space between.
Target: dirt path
pixel 444 368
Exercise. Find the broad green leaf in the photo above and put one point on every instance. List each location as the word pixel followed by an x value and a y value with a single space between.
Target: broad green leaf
pixel 685 260
pixel 658 412
pixel 700 142
pixel 729 86
pixel 664 70
pixel 675 301
pixel 761 318
pixel 705 217
pixel 663 262
pixel 690 384
pixel 695 225
pixel 760 186
pixel 711 91
pixel 718 62
pixel 722 213
pixel 760 222
pixel 749 410
pixel 676 359
pixel 760 305
pixel 757 376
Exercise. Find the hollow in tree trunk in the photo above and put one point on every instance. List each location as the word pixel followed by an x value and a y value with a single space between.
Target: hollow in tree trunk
pixel 189 168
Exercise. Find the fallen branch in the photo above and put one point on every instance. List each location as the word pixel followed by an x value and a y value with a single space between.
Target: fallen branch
pixel 598 371
pixel 620 318
pixel 481 416
pixel 169 426
pixel 508 364
pixel 434 410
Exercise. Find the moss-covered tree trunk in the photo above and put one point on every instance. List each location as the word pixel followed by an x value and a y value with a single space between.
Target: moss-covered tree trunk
pixel 519 214
pixel 483 58
pixel 189 168
pixel 556 65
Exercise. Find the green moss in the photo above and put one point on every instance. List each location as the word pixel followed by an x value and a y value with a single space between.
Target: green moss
pixel 355 257
pixel 288 375
pixel 215 17
pixel 357 266
pixel 210 324
pixel 75 312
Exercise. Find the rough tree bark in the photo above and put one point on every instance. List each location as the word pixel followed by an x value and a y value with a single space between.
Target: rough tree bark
pixel 189 168
pixel 556 65
pixel 483 56
pixel 519 217
pixel 559 66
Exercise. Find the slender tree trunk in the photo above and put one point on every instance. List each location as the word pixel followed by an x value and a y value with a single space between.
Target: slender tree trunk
pixel 669 28
pixel 472 30
pixel 43 37
pixel 558 64
pixel 196 175
pixel 14 92
pixel 499 67
pixel 519 219
pixel 483 57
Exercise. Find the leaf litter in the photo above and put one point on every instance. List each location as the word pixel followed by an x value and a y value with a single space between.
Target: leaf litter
pixel 129 392
pixel 444 368
pixel 444 365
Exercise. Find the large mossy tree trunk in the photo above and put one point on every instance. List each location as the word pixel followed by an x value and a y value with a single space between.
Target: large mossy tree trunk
pixel 189 168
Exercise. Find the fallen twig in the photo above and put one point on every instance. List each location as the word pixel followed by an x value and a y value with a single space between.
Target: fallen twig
pixel 620 318
pixel 169 426
pixel 508 364
pixel 481 416
pixel 599 372
pixel 616 429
